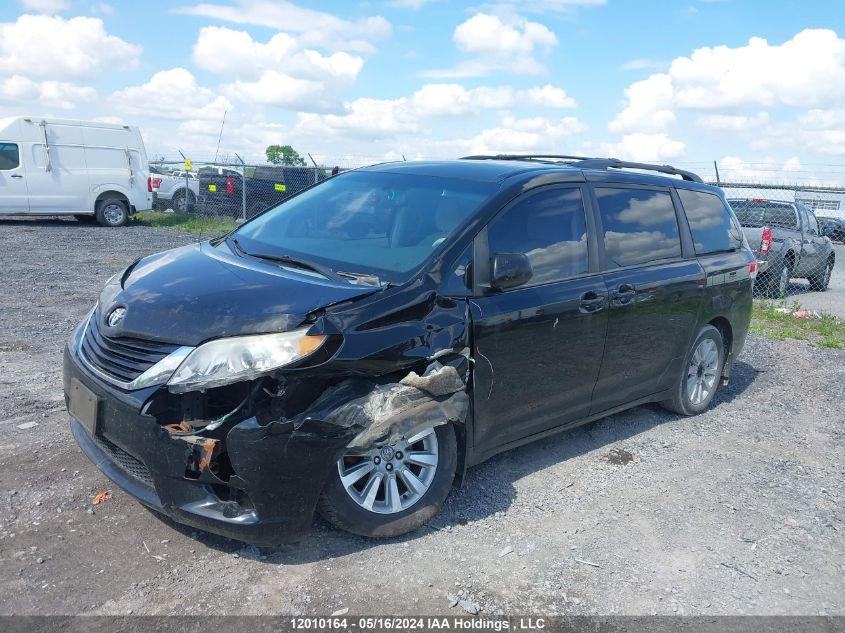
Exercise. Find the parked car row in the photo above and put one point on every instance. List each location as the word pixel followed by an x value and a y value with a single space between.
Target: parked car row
pixel 221 189
pixel 788 242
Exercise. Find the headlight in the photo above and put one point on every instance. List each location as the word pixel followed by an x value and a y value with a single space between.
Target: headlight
pixel 234 359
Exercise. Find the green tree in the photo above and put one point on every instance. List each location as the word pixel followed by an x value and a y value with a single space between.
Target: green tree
pixel 284 155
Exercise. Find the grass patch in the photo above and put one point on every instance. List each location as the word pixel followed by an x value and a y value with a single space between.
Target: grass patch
pixel 775 320
pixel 188 222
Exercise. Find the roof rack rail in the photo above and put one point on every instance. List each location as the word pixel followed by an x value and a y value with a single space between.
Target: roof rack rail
pixel 523 157
pixel 584 162
pixel 615 163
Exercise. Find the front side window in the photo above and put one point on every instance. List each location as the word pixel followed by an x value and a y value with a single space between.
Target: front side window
pixel 9 156
pixel 639 226
pixel 379 223
pixel 550 228
pixel 713 229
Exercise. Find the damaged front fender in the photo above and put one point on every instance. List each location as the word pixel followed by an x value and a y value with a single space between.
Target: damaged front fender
pixel 381 414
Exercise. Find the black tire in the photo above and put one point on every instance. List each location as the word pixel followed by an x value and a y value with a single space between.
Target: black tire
pixel 338 508
pixel 820 278
pixel 681 401
pixel 180 205
pixel 112 212
pixel 771 284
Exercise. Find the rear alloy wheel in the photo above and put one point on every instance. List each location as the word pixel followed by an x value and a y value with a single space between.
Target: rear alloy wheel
pixel 112 212
pixel 820 279
pixel 702 370
pixel 390 490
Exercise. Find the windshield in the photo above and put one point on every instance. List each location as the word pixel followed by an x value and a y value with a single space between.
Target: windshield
pixel 381 223
pixel 758 213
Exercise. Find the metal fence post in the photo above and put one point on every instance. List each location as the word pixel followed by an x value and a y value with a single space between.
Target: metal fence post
pixel 243 187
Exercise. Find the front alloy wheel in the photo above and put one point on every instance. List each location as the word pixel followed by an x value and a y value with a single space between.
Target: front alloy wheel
pixel 390 490
pixel 391 479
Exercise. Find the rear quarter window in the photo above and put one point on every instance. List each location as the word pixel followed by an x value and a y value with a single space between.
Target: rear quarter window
pixel 712 227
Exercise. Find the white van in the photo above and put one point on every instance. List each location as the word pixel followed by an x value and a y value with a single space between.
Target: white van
pixel 81 168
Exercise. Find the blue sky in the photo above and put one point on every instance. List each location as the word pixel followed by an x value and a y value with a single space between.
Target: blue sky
pixel 757 86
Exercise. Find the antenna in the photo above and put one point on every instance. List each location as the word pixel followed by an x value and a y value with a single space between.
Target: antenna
pixel 221 135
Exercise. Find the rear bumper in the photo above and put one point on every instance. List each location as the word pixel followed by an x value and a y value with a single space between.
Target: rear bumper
pixel 278 475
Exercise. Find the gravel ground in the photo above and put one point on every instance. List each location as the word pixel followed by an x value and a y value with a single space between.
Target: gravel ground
pixel 736 511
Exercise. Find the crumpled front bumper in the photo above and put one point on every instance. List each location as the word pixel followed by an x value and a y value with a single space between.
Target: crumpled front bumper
pixel 279 470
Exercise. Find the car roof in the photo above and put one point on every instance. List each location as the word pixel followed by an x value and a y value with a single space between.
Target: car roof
pixel 493 170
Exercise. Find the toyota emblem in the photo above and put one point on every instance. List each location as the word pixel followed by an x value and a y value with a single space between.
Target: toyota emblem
pixel 116 316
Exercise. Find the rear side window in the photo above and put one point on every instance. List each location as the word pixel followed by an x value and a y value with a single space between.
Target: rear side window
pixel 713 229
pixel 639 225
pixel 550 228
pixel 9 157
pixel 759 213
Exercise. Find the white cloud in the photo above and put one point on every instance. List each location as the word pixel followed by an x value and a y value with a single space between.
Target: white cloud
pixel 55 48
pixel 401 122
pixel 54 94
pixel 45 6
pixel 171 94
pixel 315 28
pixel 549 96
pixel 639 146
pixel 364 118
pixel 453 99
pixel 234 53
pixel 732 123
pixel 280 72
pixel 641 64
pixel 522 135
pixel 767 169
pixel 496 44
pixel 807 70
pixel 649 108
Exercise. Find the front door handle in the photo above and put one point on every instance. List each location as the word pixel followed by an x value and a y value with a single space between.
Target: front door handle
pixel 16 176
pixel 626 294
pixel 592 302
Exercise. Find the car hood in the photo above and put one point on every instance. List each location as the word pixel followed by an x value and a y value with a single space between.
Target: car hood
pixel 199 292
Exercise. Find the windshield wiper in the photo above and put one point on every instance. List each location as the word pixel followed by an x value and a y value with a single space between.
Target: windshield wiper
pixel 287 260
pixel 362 279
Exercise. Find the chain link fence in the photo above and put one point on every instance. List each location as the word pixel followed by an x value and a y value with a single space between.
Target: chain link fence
pixel 229 190
pixel 797 233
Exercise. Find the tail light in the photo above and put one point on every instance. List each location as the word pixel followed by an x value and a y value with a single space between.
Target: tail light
pixel 156 183
pixel 149 184
pixel 230 185
pixel 752 269
pixel 766 241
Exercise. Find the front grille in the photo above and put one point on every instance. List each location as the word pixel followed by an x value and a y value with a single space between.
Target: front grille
pixel 123 359
pixel 123 460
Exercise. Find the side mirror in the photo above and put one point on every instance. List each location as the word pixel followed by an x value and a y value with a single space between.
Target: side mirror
pixel 510 270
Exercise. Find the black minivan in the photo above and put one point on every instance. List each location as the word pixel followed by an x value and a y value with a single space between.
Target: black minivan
pixel 357 347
